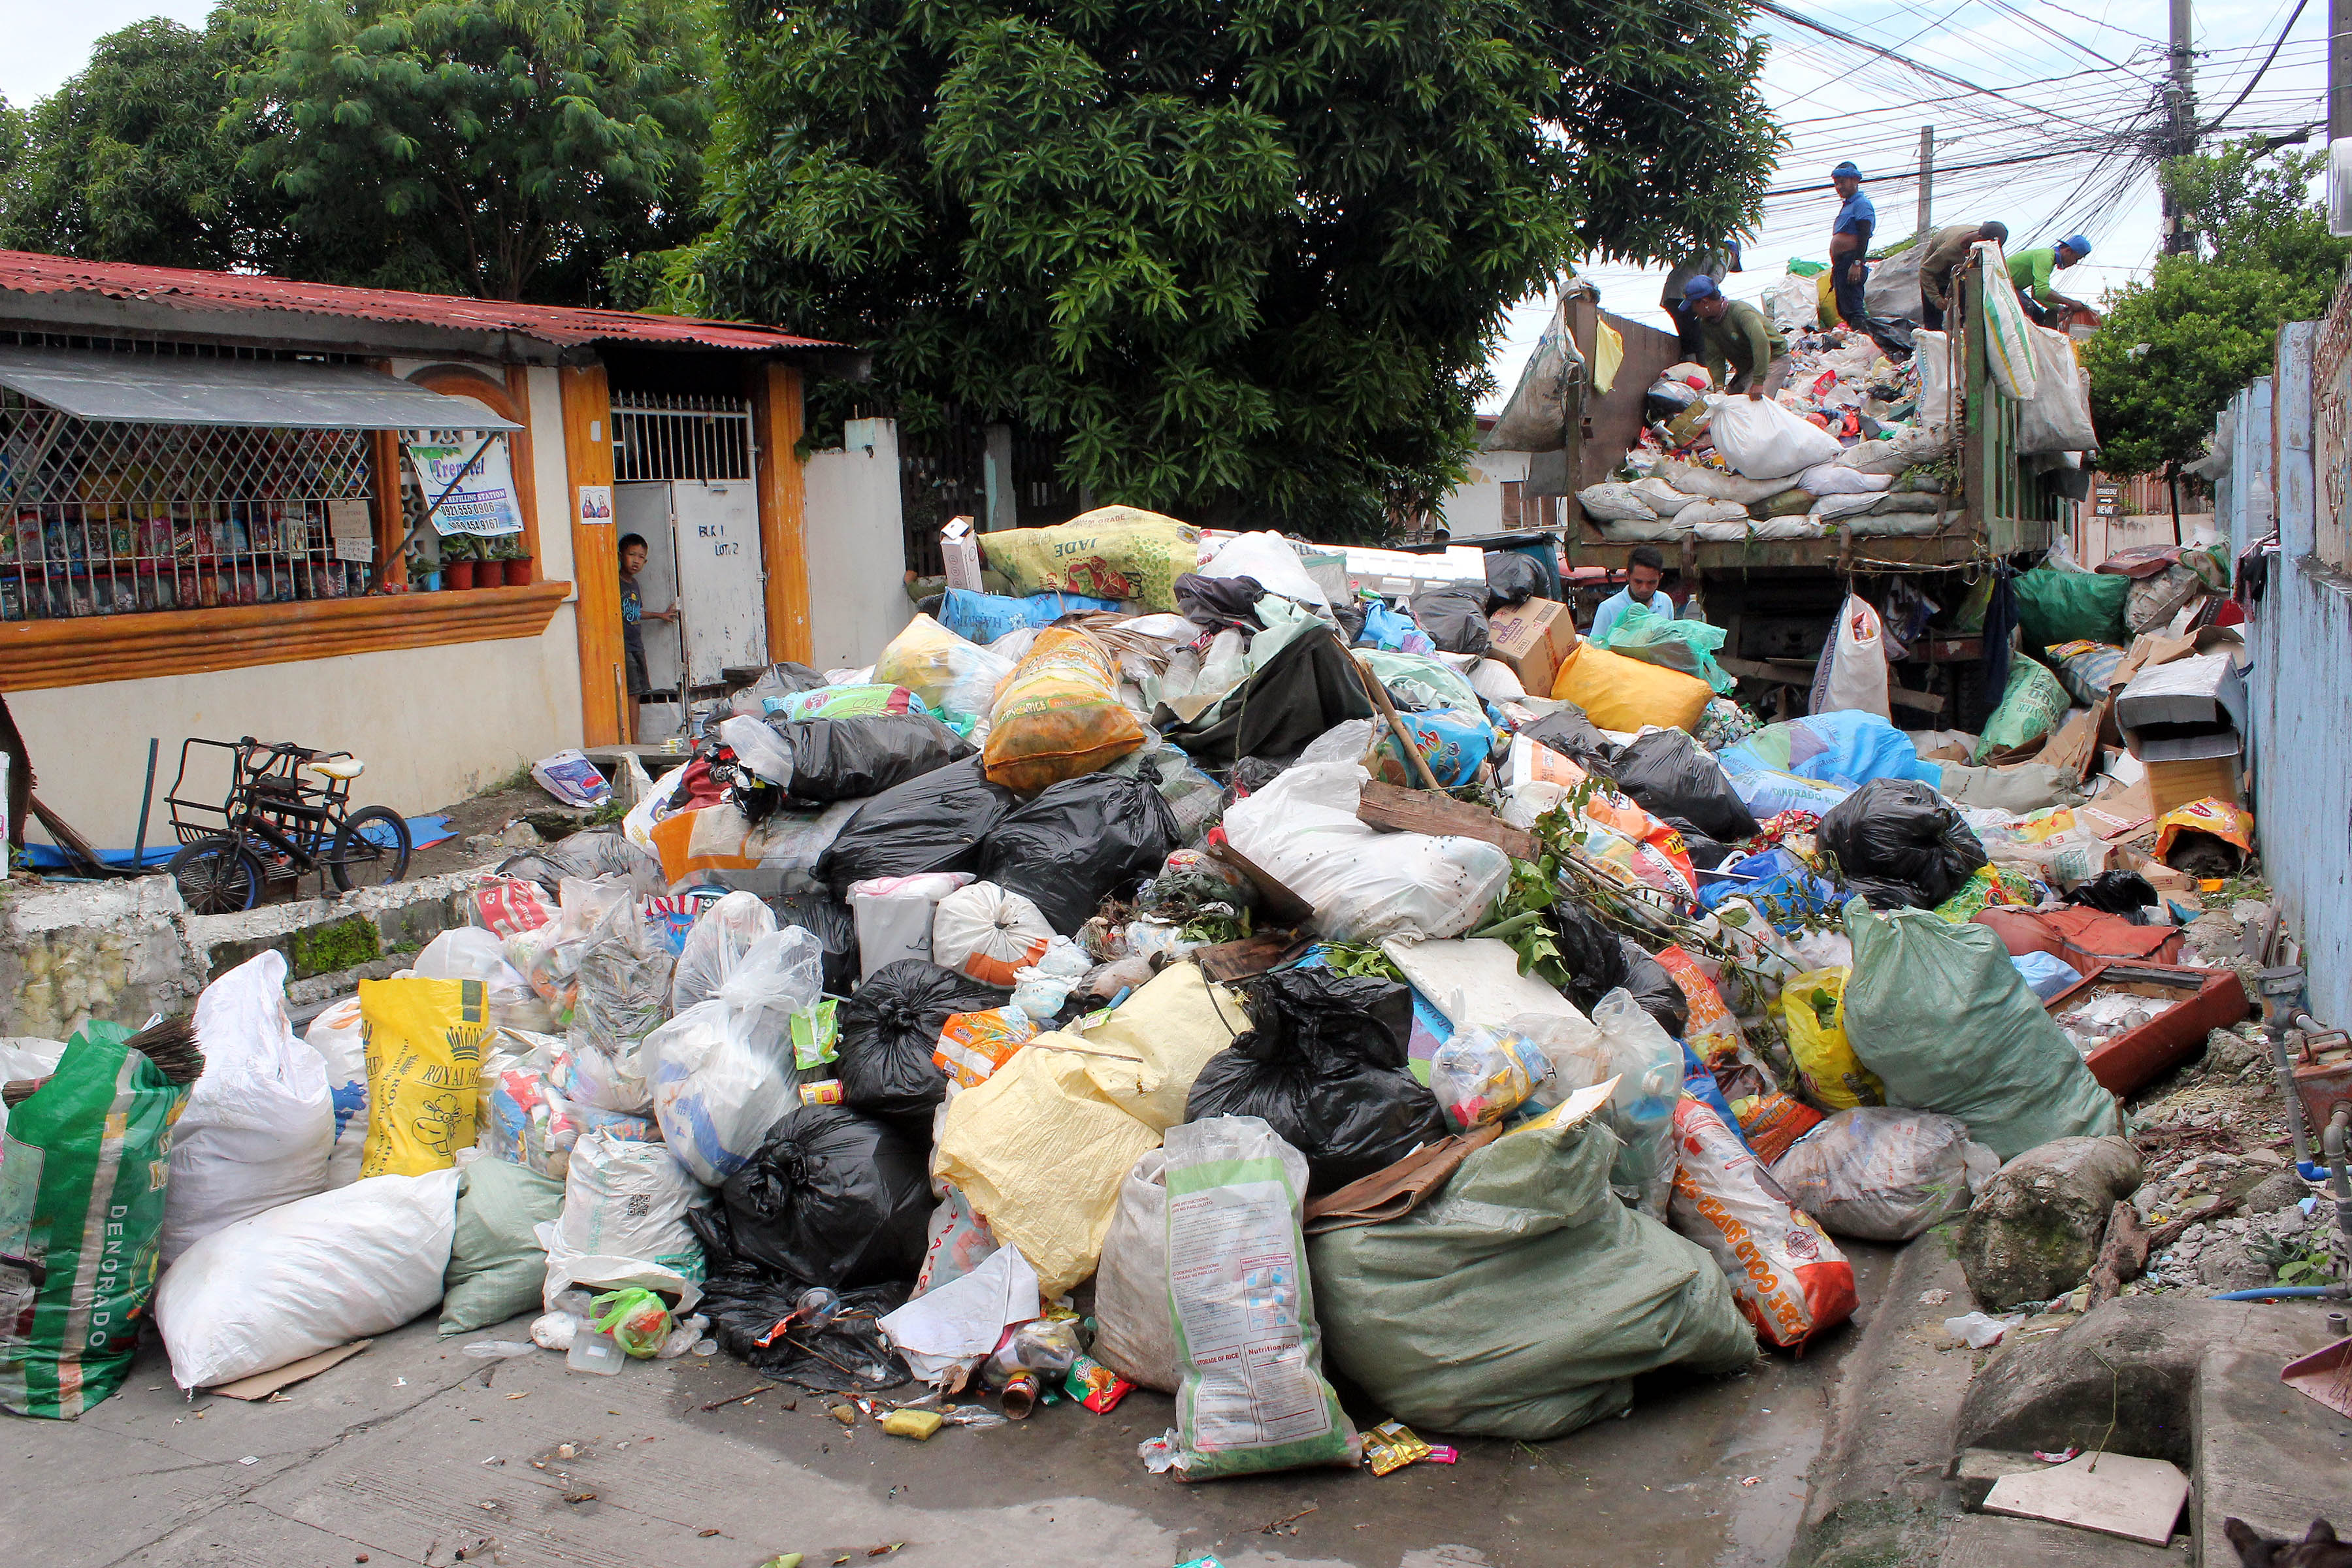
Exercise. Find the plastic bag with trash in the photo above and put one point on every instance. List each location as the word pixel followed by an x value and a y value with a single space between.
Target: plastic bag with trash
pixel 722 1072
pixel 1879 1174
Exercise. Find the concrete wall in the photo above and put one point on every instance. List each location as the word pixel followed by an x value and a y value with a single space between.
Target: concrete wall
pixel 856 546
pixel 434 725
pixel 2300 680
pixel 1474 508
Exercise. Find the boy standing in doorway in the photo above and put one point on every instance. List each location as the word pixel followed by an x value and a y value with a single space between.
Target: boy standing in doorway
pixel 633 614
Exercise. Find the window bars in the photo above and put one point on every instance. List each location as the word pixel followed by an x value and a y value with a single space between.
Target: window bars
pixel 102 518
pixel 681 435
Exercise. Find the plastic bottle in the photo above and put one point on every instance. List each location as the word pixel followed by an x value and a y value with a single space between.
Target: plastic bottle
pixel 816 1307
pixel 593 1352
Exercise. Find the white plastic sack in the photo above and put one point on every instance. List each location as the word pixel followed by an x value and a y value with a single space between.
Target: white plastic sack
pixel 623 1223
pixel 1614 503
pixel 2058 419
pixel 1879 1174
pixel 1934 354
pixel 714 947
pixel 1365 884
pixel 1496 682
pixel 25 1056
pixel 1536 417
pixel 1703 514
pixel 1715 484
pixel 1791 1279
pixel 721 1070
pixel 1891 292
pixel 260 1122
pixel 1763 440
pixel 1799 525
pixel 894 914
pixel 1135 1336
pixel 2009 344
pixel 1858 662
pixel 1660 496
pixel 306 1277
pixel 1793 304
pixel 1837 480
pixel 986 933
pixel 1269 558
pixel 337 1036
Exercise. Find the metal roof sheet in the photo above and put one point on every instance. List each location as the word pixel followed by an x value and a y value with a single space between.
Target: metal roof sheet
pixel 298 393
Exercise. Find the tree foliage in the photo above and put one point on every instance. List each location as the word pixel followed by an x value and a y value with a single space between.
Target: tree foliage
pixel 504 148
pixel 2175 349
pixel 1243 259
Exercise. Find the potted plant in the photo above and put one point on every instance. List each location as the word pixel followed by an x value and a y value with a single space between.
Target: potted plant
pixel 507 550
pixel 460 556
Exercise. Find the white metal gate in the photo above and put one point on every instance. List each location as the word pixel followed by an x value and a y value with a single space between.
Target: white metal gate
pixel 721 584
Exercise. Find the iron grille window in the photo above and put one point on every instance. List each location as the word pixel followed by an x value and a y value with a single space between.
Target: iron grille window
pixel 99 518
pixel 658 436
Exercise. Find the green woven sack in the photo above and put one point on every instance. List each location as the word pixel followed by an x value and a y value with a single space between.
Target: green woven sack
pixel 82 1177
pixel 2054 607
pixel 2032 705
pixel 495 1264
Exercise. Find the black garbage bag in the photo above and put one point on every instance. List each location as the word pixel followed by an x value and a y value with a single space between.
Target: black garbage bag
pixel 1077 842
pixel 1578 739
pixel 1898 843
pixel 850 758
pixel 1705 851
pixel 2125 893
pixel 1655 991
pixel 1303 691
pixel 1350 617
pixel 1589 951
pixel 1324 1063
pixel 1674 776
pixel 832 1197
pixel 933 823
pixel 1511 579
pixel 829 920
pixel 889 1029
pixel 1220 601
pixel 591 853
pixel 1454 615
pixel 749 1311
pixel 1250 776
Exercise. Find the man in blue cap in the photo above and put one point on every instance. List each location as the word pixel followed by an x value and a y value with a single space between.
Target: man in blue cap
pixel 2030 271
pixel 1849 242
pixel 1742 353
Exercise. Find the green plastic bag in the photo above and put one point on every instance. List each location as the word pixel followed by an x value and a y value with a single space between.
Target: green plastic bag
pixel 82 1179
pixel 1524 1299
pixel 1253 1396
pixel 638 1320
pixel 2032 706
pixel 2054 607
pixel 495 1264
pixel 1943 1017
pixel 1687 646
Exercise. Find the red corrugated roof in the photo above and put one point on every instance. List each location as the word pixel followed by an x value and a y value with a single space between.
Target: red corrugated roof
pixel 33 272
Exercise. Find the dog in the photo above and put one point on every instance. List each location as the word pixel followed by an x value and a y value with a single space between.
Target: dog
pixel 2318 1549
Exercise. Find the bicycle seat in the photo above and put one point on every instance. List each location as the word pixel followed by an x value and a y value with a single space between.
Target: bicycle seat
pixel 338 767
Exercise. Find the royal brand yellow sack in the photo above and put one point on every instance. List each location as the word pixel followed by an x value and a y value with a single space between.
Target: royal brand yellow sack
pixel 1059 716
pixel 1621 693
pixel 1812 1010
pixel 1110 552
pixel 424 1041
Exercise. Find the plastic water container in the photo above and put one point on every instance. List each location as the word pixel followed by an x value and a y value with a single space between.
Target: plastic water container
pixel 593 1352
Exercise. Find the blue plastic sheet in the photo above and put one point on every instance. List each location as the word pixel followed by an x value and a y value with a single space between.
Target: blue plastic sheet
pixel 985 617
pixel 1848 748
pixel 1779 884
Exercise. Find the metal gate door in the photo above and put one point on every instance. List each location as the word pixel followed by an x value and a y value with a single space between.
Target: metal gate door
pixel 722 590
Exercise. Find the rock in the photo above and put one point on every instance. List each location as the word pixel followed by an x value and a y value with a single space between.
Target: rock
pixel 520 834
pixel 2280 1190
pixel 2036 1230
pixel 2226 1267
pixel 2227 1051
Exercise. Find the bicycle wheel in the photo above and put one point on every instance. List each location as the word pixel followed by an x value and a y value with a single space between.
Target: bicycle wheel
pixel 370 861
pixel 216 875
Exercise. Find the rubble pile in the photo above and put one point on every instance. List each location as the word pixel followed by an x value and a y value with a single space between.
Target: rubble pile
pixel 1179 961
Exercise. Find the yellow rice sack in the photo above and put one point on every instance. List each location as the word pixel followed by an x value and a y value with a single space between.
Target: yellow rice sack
pixel 424 1040
pixel 1834 1077
pixel 1110 552
pixel 1059 716
pixel 1621 693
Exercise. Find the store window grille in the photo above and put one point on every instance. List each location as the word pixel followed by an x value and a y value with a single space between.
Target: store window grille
pixel 100 518
pixel 669 436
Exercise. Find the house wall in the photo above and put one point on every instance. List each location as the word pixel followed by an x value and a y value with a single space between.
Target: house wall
pixel 2300 680
pixel 1475 507
pixel 434 725
pixel 856 546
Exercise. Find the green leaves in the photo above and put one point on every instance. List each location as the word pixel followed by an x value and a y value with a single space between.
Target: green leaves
pixel 1245 260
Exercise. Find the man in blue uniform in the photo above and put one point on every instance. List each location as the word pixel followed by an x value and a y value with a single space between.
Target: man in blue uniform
pixel 1849 242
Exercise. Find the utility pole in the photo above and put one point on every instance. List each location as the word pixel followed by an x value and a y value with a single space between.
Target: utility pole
pixel 1928 162
pixel 2339 68
pixel 2182 139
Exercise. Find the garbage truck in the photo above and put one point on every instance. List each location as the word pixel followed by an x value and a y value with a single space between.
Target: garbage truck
pixel 1778 597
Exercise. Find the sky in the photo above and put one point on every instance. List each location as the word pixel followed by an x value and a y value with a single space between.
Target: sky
pixel 2057 75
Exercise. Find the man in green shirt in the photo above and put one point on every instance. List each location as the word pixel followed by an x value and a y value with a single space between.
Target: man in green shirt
pixel 2030 271
pixel 1743 352
pixel 1948 250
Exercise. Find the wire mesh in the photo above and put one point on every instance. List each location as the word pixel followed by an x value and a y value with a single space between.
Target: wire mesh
pixel 671 436
pixel 102 518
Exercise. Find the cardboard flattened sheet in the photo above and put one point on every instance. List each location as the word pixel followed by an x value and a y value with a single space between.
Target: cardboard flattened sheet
pixel 2114 1494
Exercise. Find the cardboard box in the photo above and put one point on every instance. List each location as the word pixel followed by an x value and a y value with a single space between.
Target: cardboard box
pixel 959 550
pixel 2173 785
pixel 1534 640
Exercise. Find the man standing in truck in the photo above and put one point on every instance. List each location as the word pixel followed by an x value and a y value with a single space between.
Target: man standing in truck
pixel 1849 242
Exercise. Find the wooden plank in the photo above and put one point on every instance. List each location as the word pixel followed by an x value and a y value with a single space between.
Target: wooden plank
pixel 1227 962
pixel 1422 811
pixel 1904 696
pixel 1277 906
pixel 595 557
pixel 526 473
pixel 2114 1494
pixel 776 423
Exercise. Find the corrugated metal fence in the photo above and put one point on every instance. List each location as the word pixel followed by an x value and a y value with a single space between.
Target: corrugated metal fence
pixel 2277 500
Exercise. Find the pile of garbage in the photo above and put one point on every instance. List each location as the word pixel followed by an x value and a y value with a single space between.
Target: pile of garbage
pixel 1212 955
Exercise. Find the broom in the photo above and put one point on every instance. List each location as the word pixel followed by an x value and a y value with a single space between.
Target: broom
pixel 170 1044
